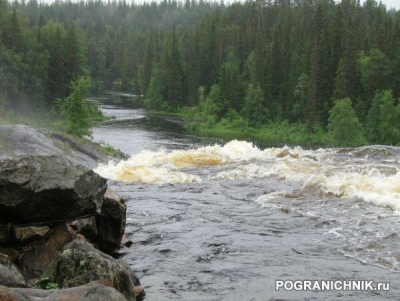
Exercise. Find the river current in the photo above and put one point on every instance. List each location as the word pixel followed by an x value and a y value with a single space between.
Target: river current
pixel 223 220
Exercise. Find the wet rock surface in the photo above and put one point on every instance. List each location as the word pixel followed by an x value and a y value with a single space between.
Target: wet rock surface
pixel 48 188
pixel 80 263
pixel 111 221
pixel 21 140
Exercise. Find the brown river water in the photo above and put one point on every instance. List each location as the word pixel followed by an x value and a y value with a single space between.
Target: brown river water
pixel 215 219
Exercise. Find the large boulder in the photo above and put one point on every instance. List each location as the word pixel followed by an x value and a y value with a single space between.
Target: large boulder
pixel 111 222
pixel 36 259
pixel 80 263
pixel 95 291
pixel 48 188
pixel 10 275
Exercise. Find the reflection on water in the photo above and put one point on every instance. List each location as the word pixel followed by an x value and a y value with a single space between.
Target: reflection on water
pixel 133 129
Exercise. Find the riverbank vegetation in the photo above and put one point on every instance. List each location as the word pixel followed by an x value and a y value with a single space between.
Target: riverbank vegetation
pixel 286 71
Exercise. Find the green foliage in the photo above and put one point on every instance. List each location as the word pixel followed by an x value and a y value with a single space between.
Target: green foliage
pixel 389 125
pixel 282 62
pixel 76 109
pixel 344 127
pixel 374 119
pixel 254 110
pixel 44 283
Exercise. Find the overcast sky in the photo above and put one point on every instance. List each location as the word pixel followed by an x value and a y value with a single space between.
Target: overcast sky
pixel 391 3
pixel 388 3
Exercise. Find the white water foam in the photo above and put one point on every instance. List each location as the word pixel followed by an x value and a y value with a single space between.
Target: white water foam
pixel 321 169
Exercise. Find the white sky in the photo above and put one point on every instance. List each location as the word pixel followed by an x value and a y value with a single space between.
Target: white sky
pixel 389 3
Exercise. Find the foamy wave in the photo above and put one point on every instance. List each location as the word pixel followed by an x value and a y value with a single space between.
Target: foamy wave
pixel 163 167
pixel 141 174
pixel 326 171
pixel 372 187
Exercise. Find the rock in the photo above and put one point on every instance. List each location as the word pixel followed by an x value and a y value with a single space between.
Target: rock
pixel 86 226
pixel 10 275
pixel 126 241
pixel 111 222
pixel 25 234
pixel 9 254
pixel 5 233
pixel 21 140
pixel 17 140
pixel 35 260
pixel 7 294
pixel 81 263
pixel 48 188
pixel 95 291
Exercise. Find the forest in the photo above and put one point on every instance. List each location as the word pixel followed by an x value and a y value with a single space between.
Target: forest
pixel 291 70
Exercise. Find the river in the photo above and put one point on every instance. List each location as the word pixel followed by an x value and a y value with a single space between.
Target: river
pixel 223 220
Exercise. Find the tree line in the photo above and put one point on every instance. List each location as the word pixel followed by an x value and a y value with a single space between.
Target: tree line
pixel 244 64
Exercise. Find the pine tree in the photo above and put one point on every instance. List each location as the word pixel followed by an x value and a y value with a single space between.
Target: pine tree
pixel 344 127
pixel 56 83
pixel 74 59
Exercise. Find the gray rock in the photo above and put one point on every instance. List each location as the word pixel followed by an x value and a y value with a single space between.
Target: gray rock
pixel 81 263
pixel 8 294
pixel 21 140
pixel 95 291
pixel 111 222
pixel 17 140
pixel 48 188
pixel 10 275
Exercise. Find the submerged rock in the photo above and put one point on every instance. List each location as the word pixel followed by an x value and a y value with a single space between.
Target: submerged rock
pixel 48 188
pixel 111 221
pixel 81 263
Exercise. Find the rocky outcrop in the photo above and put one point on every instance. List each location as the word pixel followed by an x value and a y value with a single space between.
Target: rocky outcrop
pixel 10 275
pixel 95 291
pixel 111 222
pixel 51 206
pixel 48 188
pixel 21 140
pixel 81 263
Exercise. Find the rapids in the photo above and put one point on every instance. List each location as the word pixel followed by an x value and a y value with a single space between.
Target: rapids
pixel 222 220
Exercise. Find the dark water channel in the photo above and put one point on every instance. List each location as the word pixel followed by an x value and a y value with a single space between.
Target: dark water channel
pixel 224 222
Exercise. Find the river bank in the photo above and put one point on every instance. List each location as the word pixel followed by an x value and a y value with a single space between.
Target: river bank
pixel 275 134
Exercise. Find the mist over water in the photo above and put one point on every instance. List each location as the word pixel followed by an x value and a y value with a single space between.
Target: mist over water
pixel 226 218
